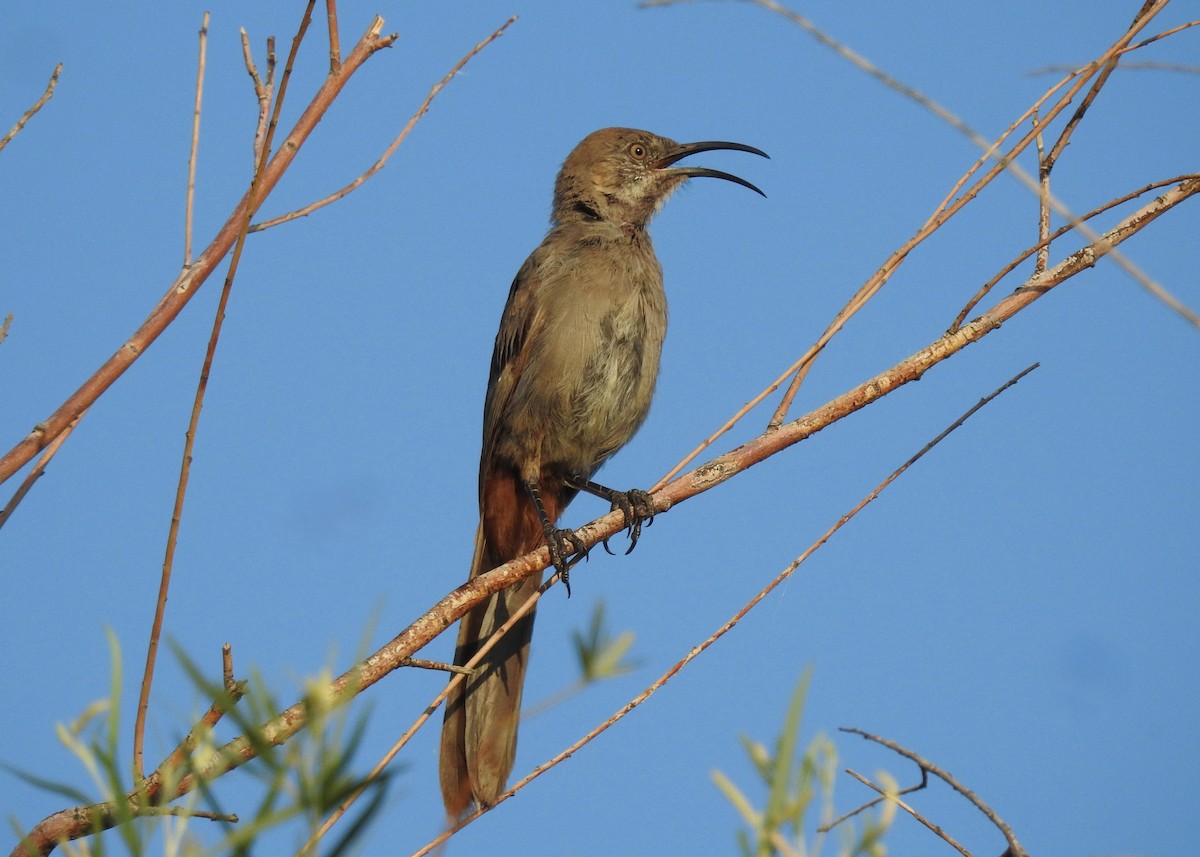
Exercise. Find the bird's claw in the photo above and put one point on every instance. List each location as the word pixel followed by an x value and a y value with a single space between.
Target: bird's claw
pixel 637 507
pixel 563 544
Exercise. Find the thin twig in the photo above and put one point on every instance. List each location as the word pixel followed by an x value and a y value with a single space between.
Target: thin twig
pixel 949 206
pixel 185 467
pixel 937 829
pixel 422 664
pixel 825 828
pixel 43 460
pixel 1058 233
pixel 925 765
pixel 335 44
pixel 187 812
pixel 383 159
pixel 37 105
pixel 188 282
pixel 721 631
pixel 191 183
pixel 1172 31
pixel 1125 66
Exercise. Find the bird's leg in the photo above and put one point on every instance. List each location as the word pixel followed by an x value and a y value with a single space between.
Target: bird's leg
pixel 636 506
pixel 557 540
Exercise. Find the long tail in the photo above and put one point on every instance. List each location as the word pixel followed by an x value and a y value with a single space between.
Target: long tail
pixel 479 735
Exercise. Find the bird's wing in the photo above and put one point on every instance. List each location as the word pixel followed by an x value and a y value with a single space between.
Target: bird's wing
pixel 510 353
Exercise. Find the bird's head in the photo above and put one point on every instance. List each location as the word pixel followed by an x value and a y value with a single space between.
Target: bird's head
pixel 623 175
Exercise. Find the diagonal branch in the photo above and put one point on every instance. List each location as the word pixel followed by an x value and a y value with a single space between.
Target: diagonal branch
pixel 395 144
pixel 953 202
pixel 189 281
pixel 37 105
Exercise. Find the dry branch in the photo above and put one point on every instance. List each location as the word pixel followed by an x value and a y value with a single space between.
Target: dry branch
pixel 949 206
pixel 1014 847
pixel 191 182
pixel 37 105
pixel 189 281
pixel 395 144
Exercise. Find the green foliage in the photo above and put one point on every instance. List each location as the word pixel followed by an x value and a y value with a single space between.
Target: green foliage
pixel 601 656
pixel 798 783
pixel 303 779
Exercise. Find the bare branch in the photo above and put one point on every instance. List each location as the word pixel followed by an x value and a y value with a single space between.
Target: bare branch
pixel 1014 847
pixel 335 44
pixel 191 184
pixel 189 281
pixel 1058 233
pixel 37 105
pixel 43 461
pixel 936 829
pixel 1125 66
pixel 379 164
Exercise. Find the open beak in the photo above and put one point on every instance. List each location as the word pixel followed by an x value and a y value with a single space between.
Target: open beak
pixel 687 149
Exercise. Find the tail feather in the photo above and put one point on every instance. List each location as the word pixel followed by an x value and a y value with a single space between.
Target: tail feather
pixel 479 735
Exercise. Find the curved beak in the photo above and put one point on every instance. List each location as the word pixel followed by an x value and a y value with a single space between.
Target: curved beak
pixel 687 149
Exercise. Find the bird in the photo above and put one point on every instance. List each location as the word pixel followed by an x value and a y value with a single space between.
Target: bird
pixel 572 375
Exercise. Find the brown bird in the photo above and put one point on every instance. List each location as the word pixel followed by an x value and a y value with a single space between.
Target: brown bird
pixel 573 372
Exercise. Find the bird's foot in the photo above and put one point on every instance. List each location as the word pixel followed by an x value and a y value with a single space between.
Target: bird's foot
pixel 637 508
pixel 635 505
pixel 566 549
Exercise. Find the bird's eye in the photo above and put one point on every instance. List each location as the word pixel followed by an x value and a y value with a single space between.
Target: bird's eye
pixel 638 151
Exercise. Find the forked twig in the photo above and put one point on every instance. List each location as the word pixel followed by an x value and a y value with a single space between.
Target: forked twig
pixel 189 281
pixel 894 797
pixel 263 91
pixel 1014 847
pixel 395 144
pixel 1058 233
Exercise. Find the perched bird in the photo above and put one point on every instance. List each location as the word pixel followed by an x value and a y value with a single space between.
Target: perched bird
pixel 572 375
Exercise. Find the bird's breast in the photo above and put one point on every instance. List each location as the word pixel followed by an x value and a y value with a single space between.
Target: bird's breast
pixel 609 335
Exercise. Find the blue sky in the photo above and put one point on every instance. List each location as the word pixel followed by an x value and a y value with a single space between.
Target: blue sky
pixel 1019 607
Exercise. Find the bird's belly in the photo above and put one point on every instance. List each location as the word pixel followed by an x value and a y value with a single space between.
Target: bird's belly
pixel 607 395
